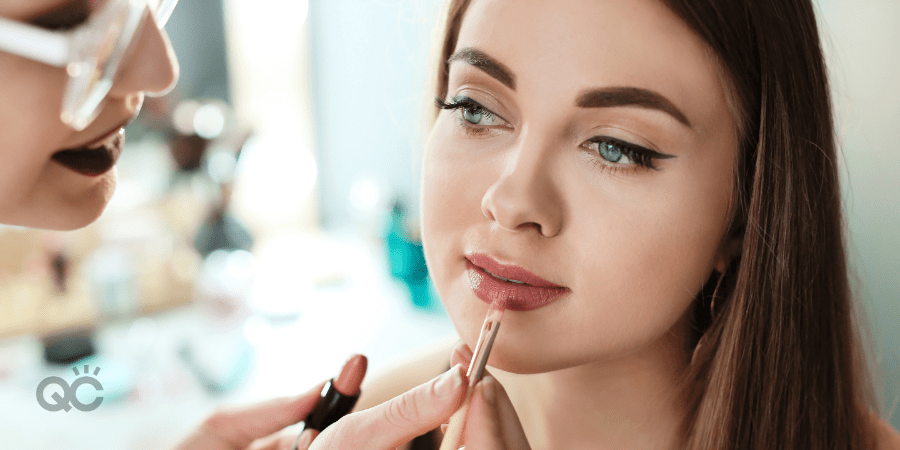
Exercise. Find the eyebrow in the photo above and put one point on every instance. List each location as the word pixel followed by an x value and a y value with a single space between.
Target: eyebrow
pixel 630 96
pixel 592 98
pixel 488 65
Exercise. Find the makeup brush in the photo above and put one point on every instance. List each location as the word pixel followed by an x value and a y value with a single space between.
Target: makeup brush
pixel 457 426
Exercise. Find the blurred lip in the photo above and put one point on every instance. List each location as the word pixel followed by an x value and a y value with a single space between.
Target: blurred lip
pixel 509 286
pixel 93 161
pixel 105 136
pixel 97 156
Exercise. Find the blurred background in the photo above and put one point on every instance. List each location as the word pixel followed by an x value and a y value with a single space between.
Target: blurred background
pixel 271 200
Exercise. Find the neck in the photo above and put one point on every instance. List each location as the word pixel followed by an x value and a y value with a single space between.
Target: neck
pixel 630 402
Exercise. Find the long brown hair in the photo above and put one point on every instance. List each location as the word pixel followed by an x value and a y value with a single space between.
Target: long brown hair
pixel 778 365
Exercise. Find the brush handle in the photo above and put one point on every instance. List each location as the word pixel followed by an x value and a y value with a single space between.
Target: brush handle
pixel 457 425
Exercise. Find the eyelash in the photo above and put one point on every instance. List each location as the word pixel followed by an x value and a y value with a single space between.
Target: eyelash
pixel 464 104
pixel 641 157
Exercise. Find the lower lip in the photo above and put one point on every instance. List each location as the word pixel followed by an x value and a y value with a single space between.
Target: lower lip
pixel 513 296
pixel 92 161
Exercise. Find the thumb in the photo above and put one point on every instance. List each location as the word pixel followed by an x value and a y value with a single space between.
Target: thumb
pixel 400 419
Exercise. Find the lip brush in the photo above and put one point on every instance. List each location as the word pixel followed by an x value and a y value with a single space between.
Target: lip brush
pixel 457 426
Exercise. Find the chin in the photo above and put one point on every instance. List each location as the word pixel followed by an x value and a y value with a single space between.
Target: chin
pixel 513 358
pixel 77 219
pixel 87 209
pixel 516 349
pixel 63 219
pixel 67 209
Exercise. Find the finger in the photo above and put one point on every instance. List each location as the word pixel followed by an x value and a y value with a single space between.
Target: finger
pixel 483 428
pixel 461 354
pixel 238 427
pixel 513 432
pixel 400 419
pixel 493 423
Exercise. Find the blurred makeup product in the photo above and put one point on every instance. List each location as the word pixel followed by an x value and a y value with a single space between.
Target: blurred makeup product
pixel 187 151
pixel 71 343
pixel 457 427
pixel 219 361
pixel 114 280
pixel 69 346
pixel 60 268
pixel 221 231
pixel 338 397
pixel 406 258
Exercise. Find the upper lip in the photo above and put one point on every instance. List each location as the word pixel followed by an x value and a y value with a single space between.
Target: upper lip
pixel 509 271
pixel 103 136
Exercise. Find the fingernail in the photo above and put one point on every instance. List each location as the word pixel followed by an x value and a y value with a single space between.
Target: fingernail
pixel 488 388
pixel 449 381
pixel 305 440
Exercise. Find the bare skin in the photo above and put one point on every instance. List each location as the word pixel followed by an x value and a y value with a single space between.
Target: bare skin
pixel 34 190
pixel 597 368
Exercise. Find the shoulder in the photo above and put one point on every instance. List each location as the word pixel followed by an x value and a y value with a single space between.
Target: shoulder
pixel 886 437
pixel 407 373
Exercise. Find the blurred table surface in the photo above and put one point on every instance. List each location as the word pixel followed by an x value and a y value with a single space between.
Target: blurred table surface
pixel 316 300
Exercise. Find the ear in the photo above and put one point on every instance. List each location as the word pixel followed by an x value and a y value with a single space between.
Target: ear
pixel 729 249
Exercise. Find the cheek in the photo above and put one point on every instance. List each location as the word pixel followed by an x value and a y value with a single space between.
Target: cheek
pixel 32 98
pixel 452 189
pixel 637 275
pixel 30 131
pixel 640 259
pixel 444 210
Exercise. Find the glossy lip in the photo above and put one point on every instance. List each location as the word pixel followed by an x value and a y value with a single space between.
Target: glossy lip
pixel 92 162
pixel 535 293
pixel 98 156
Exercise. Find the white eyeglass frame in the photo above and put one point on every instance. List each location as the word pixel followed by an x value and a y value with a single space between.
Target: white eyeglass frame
pixel 79 50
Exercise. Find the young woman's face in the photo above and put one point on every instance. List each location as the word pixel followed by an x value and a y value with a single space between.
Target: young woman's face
pixel 35 189
pixel 590 143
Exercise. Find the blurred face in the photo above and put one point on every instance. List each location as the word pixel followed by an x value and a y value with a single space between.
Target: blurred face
pixel 580 171
pixel 50 175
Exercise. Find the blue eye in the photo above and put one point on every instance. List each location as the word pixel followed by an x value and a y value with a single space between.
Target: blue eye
pixel 473 115
pixel 620 153
pixel 610 152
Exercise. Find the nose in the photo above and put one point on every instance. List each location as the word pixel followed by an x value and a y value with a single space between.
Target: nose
pixel 150 66
pixel 525 196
